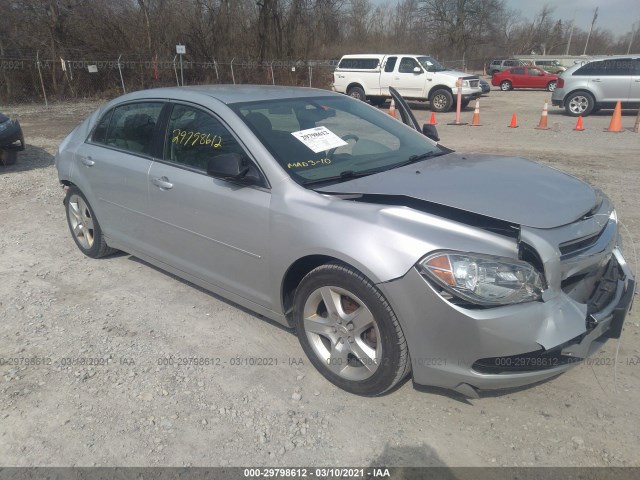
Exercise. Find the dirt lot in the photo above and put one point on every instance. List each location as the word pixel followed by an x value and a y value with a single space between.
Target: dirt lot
pixel 133 410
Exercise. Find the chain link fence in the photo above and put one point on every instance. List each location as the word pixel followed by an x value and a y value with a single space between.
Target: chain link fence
pixel 37 80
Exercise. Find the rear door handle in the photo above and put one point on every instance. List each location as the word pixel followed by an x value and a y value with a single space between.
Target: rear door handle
pixel 88 162
pixel 163 183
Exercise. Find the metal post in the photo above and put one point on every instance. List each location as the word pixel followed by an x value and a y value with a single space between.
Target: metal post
pixel 46 102
pixel 181 73
pixel 273 78
pixel 310 75
pixel 215 65
pixel 124 90
pixel 176 70
pixel 233 77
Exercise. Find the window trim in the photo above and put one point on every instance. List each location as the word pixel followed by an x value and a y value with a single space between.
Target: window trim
pixel 265 185
pixel 156 132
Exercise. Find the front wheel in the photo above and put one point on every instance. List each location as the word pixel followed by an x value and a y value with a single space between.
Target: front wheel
pixel 551 86
pixel 84 226
pixel 505 86
pixel 349 331
pixel 357 93
pixel 441 101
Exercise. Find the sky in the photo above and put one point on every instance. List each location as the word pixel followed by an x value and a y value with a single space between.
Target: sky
pixel 617 16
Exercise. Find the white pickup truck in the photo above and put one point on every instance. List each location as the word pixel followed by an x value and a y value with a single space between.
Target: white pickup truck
pixel 416 77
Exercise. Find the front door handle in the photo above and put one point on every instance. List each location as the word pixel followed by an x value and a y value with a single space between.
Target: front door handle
pixel 163 183
pixel 88 162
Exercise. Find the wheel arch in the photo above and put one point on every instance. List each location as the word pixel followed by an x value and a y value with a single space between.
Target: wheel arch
pixel 300 268
pixel 354 85
pixel 435 88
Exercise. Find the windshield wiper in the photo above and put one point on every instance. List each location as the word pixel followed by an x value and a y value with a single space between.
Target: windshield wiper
pixel 345 175
pixel 349 174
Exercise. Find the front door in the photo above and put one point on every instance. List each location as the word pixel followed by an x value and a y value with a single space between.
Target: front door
pixel 215 230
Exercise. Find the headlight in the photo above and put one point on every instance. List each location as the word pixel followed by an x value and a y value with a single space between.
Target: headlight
pixel 5 125
pixel 465 83
pixel 483 279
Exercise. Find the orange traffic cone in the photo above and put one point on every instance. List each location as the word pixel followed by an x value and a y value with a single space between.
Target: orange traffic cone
pixel 514 121
pixel 616 120
pixel 475 122
pixel 392 108
pixel 579 126
pixel 433 119
pixel 543 118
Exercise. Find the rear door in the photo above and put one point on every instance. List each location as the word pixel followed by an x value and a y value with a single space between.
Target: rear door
pixel 614 79
pixel 518 77
pixel 112 168
pixel 215 230
pixel 388 74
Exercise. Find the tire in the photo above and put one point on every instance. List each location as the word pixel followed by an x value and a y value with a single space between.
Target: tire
pixel 441 101
pixel 505 85
pixel 579 103
pixel 357 93
pixel 551 86
pixel 358 324
pixel 8 157
pixel 84 226
pixel 464 103
pixel 377 101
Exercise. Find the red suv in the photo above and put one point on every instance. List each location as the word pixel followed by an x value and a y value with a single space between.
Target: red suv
pixel 524 77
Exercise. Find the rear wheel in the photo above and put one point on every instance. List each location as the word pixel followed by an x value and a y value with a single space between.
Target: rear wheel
pixel 551 86
pixel 579 103
pixel 84 226
pixel 505 85
pixel 349 331
pixel 357 93
pixel 441 101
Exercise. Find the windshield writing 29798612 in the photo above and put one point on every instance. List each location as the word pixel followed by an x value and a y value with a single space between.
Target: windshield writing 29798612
pixel 184 137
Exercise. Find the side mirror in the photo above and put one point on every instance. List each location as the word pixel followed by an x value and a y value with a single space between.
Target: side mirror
pixel 430 131
pixel 233 167
pixel 417 70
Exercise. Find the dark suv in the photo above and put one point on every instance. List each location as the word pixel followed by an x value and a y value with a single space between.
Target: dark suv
pixel 586 88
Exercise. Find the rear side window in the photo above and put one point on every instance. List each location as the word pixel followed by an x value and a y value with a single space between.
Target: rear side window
pixel 195 136
pixel 391 64
pixel 510 63
pixel 359 63
pixel 132 126
pixel 517 71
pixel 612 67
pixel 100 132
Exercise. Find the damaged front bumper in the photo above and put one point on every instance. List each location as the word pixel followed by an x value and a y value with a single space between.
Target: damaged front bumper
pixel 468 349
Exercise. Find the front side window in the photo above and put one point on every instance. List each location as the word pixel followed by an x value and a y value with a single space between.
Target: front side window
pixel 331 139
pixel 132 126
pixel 407 64
pixel 195 136
pixel 535 72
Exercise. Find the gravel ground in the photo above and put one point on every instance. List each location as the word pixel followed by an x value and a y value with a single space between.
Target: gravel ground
pixel 132 408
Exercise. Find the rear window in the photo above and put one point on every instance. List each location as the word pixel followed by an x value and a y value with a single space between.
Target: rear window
pixel 359 63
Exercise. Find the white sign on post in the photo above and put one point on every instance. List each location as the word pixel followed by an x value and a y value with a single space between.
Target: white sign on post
pixel 181 49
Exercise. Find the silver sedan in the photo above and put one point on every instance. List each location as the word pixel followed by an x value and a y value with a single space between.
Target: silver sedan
pixel 388 253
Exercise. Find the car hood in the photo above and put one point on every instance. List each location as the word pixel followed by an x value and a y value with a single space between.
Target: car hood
pixel 511 189
pixel 457 74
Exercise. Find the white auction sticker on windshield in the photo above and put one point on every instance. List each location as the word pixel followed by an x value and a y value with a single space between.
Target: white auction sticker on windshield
pixel 319 139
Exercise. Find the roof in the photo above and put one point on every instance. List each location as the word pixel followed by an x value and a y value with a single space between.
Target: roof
pixel 230 93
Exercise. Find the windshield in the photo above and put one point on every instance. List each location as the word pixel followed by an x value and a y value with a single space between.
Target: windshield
pixel 431 64
pixel 330 139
